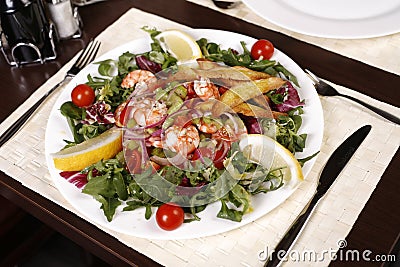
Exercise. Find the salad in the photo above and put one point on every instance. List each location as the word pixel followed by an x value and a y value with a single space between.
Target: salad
pixel 181 126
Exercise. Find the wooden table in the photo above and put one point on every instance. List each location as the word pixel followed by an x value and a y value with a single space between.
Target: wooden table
pixel 378 226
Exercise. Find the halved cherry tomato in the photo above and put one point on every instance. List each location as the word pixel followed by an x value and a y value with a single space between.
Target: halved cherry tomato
pixel 262 48
pixel 119 114
pixel 202 152
pixel 156 167
pixel 134 161
pixel 83 95
pixel 170 216
pixel 222 90
pixel 217 156
pixel 223 148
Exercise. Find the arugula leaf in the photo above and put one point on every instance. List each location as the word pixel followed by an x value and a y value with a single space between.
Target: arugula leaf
pixel 133 205
pixel 108 186
pixel 229 214
pixel 274 179
pixel 287 131
pixel 240 197
pixel 304 160
pixel 100 185
pixel 152 31
pixel 108 205
pixel 120 186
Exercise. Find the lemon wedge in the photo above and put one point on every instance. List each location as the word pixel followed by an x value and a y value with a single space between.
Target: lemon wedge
pixel 181 45
pixel 272 155
pixel 76 158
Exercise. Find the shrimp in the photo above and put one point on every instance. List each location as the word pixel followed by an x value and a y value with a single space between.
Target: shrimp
pixel 136 76
pixel 208 125
pixel 154 141
pixel 206 89
pixel 183 140
pixel 148 111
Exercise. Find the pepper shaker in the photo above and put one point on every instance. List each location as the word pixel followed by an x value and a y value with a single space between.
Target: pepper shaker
pixel 65 17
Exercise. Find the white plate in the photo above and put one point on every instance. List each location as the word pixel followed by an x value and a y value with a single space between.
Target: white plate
pixel 133 222
pixel 343 19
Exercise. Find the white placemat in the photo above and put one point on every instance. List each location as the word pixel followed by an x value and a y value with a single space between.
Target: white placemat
pixel 23 159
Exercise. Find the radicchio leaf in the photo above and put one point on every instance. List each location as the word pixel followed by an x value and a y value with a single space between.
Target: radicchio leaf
pixel 291 98
pixel 252 124
pixel 99 112
pixel 75 177
pixel 145 64
pixel 186 189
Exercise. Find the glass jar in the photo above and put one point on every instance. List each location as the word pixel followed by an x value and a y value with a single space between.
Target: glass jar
pixel 85 2
pixel 66 18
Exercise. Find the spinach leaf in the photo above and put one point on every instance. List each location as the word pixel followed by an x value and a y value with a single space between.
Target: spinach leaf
pixel 68 109
pixel 74 115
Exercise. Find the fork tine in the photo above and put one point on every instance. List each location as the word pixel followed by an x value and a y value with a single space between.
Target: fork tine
pixel 88 54
pixel 312 76
pixel 91 54
pixel 84 51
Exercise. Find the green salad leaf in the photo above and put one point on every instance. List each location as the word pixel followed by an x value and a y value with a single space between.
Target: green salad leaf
pixel 231 57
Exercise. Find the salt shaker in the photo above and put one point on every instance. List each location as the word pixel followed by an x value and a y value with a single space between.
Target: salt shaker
pixel 65 18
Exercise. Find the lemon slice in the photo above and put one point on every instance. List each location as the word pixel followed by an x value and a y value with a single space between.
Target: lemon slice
pixel 76 158
pixel 181 45
pixel 269 153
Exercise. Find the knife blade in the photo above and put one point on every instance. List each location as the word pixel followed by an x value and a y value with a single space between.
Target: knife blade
pixel 335 164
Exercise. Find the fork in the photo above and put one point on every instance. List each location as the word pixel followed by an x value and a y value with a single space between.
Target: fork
pixel 87 55
pixel 325 89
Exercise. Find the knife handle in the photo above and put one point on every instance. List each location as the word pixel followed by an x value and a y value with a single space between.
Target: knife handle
pixel 290 238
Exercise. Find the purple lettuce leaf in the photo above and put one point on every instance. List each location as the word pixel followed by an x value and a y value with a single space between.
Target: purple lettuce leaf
pixel 145 64
pixel 290 97
pixel 99 112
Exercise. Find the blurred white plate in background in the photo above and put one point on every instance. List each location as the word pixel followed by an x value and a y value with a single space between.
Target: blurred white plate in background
pixel 342 19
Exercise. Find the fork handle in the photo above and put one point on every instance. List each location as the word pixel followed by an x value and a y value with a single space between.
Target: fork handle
pixel 379 111
pixel 10 132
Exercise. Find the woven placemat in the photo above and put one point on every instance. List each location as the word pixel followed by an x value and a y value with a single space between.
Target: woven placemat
pixel 23 159
pixel 382 52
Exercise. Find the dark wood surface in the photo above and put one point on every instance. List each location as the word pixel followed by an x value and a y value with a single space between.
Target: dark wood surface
pixel 377 228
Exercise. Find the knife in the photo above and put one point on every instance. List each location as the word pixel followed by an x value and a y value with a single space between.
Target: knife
pixel 332 169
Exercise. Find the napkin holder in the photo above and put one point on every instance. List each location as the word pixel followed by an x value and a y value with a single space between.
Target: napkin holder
pixel 26 34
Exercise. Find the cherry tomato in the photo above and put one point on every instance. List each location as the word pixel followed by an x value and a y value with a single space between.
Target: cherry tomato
pixel 262 48
pixel 82 95
pixel 169 216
